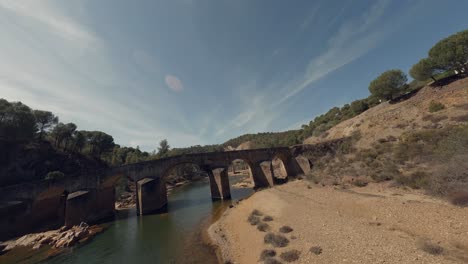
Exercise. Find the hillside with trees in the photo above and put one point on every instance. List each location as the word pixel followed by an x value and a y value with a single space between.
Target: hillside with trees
pixel 26 130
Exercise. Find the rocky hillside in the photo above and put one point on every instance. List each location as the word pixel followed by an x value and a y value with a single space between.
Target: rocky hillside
pixel 420 142
pixel 393 119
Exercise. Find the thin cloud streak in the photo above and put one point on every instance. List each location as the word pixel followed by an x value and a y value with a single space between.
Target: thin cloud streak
pixel 353 39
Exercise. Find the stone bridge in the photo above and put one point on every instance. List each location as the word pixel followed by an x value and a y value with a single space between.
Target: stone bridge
pixel 91 197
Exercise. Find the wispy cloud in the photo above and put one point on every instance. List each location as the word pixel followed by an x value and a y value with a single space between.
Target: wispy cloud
pixel 353 39
pixel 54 62
pixel 47 14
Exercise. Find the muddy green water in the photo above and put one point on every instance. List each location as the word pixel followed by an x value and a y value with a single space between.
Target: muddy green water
pixel 175 237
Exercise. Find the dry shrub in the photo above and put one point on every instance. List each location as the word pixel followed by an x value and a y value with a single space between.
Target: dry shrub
pixel 316 250
pixel 267 253
pixel 253 220
pixel 276 240
pixel 290 255
pixel 263 227
pixel 256 212
pixel 416 180
pixel 431 248
pixel 434 118
pixel 272 261
pixel 459 198
pixel 435 106
pixel 386 171
pixel 451 177
pixel 462 106
pixel 462 118
pixel 286 229
pixel 313 178
pixel 267 218
pixel 360 182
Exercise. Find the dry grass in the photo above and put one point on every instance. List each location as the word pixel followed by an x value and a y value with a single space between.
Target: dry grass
pixel 290 255
pixel 267 253
pixel 316 250
pixel 286 229
pixel 276 240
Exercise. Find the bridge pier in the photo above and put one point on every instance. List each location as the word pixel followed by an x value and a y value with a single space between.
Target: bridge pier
pixel 151 196
pixel 219 184
pixel 262 174
pixel 89 206
pixel 303 163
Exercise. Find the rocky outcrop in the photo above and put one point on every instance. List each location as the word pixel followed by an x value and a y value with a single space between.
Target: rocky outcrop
pixel 60 238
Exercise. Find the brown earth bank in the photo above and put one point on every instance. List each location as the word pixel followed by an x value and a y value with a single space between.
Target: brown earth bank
pixel 373 224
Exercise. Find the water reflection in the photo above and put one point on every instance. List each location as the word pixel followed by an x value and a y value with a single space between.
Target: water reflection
pixel 173 237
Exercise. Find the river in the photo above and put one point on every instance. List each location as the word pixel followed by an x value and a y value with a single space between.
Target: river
pixel 174 237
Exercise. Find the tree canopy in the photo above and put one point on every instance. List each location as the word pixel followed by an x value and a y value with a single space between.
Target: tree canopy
pixel 44 121
pixel 448 54
pixel 163 148
pixel 423 70
pixel 388 84
pixel 17 121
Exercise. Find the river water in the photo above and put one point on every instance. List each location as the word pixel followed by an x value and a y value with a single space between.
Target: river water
pixel 174 237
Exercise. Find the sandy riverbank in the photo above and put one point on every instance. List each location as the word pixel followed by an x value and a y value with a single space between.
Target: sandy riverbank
pixel 374 224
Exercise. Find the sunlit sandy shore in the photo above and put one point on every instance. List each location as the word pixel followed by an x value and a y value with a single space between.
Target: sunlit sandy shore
pixel 374 224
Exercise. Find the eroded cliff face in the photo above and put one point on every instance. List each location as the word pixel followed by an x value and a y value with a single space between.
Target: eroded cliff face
pixel 26 162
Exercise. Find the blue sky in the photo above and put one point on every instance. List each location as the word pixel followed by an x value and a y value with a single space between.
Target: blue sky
pixel 201 72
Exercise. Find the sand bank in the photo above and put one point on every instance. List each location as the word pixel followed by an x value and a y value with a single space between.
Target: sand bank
pixel 373 224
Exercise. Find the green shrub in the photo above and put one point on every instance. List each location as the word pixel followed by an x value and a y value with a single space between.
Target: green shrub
pixel 267 218
pixel 54 175
pixel 435 106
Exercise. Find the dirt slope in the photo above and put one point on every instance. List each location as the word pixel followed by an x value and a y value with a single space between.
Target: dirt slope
pixel 393 119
